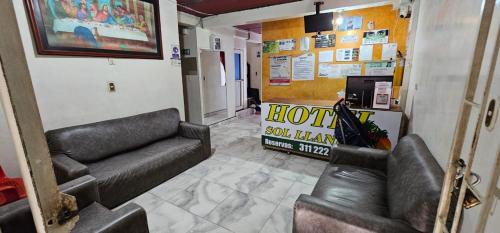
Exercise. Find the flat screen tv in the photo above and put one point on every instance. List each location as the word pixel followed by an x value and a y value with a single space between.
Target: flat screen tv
pixel 318 22
pixel 360 89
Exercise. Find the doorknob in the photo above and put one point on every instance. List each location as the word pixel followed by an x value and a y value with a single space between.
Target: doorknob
pixel 491 115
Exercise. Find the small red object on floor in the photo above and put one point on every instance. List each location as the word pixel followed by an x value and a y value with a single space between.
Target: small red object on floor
pixel 11 189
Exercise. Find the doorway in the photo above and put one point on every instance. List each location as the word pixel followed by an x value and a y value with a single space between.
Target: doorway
pixel 254 75
pixel 239 80
pixel 213 71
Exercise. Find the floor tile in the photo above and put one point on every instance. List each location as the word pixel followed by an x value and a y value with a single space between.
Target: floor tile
pixel 201 197
pixel 294 193
pixel 314 171
pixel 203 169
pixel 281 221
pixel 148 201
pixel 266 186
pixel 208 227
pixel 169 218
pixel 242 213
pixel 174 185
pixel 230 175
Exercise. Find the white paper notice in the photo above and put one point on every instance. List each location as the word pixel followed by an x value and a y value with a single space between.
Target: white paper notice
pixel 303 67
pixel 382 95
pixel 287 45
pixel 328 70
pixel 379 68
pixel 349 38
pixel 326 56
pixel 344 55
pixel 389 51
pixel 304 44
pixel 349 69
pixel 366 52
pixel 280 70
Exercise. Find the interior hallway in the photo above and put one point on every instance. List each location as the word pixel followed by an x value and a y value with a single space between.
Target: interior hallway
pixel 242 188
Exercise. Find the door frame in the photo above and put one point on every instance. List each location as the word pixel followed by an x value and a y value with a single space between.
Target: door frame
pixel 242 81
pixel 202 82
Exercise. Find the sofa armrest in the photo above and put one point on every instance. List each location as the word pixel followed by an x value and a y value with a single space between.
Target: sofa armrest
pixel 312 215
pixel 16 217
pixel 84 189
pixel 195 131
pixel 67 169
pixel 359 156
pixel 130 218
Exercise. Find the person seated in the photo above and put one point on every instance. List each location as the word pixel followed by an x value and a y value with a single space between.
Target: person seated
pixel 103 16
pixel 82 13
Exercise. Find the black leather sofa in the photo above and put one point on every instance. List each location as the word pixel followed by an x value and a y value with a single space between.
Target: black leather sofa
pixel 366 190
pixel 128 156
pixel 94 218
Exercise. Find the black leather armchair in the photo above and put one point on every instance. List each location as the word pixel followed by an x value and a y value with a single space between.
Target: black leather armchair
pixel 366 190
pixel 94 218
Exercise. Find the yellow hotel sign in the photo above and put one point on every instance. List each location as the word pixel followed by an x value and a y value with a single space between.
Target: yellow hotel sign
pixel 310 129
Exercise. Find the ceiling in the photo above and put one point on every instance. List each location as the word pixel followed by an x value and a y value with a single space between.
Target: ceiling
pixel 254 27
pixel 204 8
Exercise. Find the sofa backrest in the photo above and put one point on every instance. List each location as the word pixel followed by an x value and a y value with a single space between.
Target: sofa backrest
pixel 414 181
pixel 97 141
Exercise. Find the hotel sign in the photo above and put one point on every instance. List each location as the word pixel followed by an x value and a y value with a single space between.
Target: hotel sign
pixel 309 130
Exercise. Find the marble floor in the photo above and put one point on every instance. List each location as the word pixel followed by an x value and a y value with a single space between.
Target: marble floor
pixel 242 188
pixel 215 117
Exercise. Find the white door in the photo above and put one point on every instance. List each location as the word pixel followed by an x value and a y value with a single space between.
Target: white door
pixel 483 134
pixel 486 217
pixel 214 85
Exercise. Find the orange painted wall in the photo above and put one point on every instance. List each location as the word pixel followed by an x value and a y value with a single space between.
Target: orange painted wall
pixel 384 17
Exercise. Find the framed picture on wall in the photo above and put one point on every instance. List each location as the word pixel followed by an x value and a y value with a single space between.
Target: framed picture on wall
pixel 96 28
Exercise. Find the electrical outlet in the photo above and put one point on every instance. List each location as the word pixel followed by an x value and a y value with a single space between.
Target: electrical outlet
pixel 111 87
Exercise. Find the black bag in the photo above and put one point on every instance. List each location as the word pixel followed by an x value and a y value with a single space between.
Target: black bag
pixel 348 129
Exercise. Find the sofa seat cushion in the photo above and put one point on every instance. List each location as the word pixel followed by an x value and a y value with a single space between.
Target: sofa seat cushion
pixel 124 176
pixel 353 187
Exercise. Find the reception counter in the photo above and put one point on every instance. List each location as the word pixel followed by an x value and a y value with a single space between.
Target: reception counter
pixel 306 127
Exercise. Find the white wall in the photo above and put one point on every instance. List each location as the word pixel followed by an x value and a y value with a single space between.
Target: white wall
pixel 255 65
pixel 72 91
pixel 227 43
pixel 8 158
pixel 442 59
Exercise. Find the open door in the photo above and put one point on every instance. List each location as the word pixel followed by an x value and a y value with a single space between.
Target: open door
pixel 213 71
pixel 476 141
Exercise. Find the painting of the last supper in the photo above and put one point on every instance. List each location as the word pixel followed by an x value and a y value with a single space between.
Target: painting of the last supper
pixel 100 28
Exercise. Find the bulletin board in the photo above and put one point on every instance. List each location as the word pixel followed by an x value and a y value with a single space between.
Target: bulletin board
pixel 383 17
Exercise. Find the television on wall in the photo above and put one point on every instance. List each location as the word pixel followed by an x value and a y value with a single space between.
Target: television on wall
pixel 318 22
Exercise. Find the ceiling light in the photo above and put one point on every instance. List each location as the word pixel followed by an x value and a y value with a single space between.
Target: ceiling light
pixel 339 20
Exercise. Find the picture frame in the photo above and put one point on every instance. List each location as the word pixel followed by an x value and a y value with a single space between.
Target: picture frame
pixel 96 28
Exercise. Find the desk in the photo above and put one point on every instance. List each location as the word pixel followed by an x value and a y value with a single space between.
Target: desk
pixel 306 127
